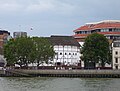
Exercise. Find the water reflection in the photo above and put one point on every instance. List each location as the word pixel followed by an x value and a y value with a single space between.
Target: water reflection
pixel 58 84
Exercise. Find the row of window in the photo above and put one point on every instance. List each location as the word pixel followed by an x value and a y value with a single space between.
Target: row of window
pixel 113 37
pixel 98 30
pixel 110 30
pixel 83 32
pixel 65 47
pixel 67 53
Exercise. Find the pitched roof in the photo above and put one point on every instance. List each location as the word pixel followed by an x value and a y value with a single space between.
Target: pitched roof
pixel 63 40
pixel 3 31
pixel 100 25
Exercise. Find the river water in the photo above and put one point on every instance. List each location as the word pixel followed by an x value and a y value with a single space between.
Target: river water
pixel 58 84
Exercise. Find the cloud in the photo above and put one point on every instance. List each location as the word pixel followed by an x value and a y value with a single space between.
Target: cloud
pixel 59 16
pixel 40 6
pixel 9 7
pixel 52 6
pixel 35 6
pixel 64 7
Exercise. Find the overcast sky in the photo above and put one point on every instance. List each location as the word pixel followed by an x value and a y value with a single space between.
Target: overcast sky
pixel 54 17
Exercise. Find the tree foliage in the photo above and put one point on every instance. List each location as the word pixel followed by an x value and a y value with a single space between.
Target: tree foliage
pixel 44 50
pixel 26 50
pixel 19 50
pixel 96 49
pixel 9 52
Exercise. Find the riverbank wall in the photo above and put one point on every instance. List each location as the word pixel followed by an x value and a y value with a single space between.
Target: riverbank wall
pixel 62 73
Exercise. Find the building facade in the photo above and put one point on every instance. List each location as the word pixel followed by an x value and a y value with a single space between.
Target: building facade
pixel 19 34
pixel 109 28
pixel 116 54
pixel 67 50
pixel 4 37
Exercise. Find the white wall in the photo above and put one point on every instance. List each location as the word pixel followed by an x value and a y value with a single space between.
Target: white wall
pixel 116 56
pixel 68 55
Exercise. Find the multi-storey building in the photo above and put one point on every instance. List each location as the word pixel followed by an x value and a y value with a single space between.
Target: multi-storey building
pixel 109 28
pixel 19 34
pixel 116 54
pixel 67 50
pixel 4 36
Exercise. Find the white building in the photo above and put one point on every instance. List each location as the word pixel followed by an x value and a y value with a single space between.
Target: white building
pixel 116 54
pixel 67 50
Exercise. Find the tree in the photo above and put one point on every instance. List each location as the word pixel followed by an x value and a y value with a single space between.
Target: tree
pixel 44 50
pixel 96 50
pixel 26 50
pixel 19 51
pixel 9 52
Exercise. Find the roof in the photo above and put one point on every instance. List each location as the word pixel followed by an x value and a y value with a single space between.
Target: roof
pixel 3 31
pixel 100 25
pixel 63 40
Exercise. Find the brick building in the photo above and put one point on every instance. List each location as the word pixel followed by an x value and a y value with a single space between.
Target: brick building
pixel 4 36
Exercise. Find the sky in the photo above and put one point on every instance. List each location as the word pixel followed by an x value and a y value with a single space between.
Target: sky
pixel 54 17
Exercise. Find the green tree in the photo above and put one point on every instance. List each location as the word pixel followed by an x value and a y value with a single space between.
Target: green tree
pixel 19 51
pixel 96 50
pixel 9 52
pixel 44 50
pixel 26 50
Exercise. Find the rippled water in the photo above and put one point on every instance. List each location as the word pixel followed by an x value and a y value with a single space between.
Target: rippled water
pixel 59 84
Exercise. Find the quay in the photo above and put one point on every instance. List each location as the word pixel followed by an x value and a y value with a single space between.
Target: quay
pixel 61 73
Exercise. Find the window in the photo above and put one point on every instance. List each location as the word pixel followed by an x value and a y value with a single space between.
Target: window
pixel 77 32
pixel 65 53
pixel 116 60
pixel 69 53
pixel 111 37
pixel 75 53
pixel 116 67
pixel 116 52
pixel 60 53
pixel 110 29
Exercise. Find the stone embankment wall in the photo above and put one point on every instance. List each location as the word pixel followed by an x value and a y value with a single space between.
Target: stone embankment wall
pixel 61 73
pixel 72 73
